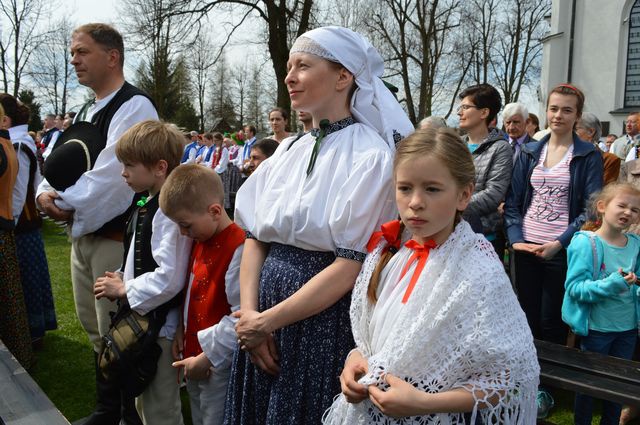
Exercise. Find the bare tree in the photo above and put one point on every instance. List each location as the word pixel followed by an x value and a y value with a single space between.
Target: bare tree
pixel 201 61
pixel 222 105
pixel 351 13
pixel 20 39
pixel 284 21
pixel 52 73
pixel 241 82
pixel 479 20
pixel 416 37
pixel 518 49
pixel 159 37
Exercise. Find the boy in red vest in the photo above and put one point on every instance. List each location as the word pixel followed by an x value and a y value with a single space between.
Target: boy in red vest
pixel 193 197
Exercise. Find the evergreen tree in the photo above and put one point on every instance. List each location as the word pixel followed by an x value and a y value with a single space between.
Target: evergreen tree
pixel 28 98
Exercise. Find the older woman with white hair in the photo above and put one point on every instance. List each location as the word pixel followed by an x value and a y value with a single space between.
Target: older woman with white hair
pixel 309 211
pixel 589 129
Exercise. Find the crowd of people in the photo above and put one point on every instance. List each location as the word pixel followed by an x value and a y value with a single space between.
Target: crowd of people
pixel 358 271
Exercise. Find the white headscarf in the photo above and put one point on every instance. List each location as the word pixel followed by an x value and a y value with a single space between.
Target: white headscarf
pixel 372 103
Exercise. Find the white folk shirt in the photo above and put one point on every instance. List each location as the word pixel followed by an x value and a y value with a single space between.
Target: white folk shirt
pixel 390 293
pixel 348 195
pixel 101 193
pixel 150 290
pixel 52 144
pixel 19 136
pixel 244 153
pixel 224 161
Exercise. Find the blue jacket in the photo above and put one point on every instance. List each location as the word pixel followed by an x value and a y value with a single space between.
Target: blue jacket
pixel 586 173
pixel 582 290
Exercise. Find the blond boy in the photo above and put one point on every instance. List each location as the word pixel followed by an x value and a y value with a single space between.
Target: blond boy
pixel 156 257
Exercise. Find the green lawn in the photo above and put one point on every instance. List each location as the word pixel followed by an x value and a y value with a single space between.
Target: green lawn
pixel 65 365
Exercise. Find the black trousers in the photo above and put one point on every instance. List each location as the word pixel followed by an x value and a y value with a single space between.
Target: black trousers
pixel 540 288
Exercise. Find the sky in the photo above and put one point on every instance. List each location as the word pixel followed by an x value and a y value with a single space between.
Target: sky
pixel 84 11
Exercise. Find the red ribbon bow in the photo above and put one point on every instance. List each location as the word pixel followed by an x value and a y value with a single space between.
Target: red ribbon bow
pixel 391 233
pixel 421 254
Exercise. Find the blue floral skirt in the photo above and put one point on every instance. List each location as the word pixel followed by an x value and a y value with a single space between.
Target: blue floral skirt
pixel 311 352
pixel 36 283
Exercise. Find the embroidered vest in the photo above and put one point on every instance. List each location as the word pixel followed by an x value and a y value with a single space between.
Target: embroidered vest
pixel 207 303
pixel 8 175
pixel 29 218
pixel 140 229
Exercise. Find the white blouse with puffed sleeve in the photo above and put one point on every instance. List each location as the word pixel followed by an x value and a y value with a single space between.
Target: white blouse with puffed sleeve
pixel 346 197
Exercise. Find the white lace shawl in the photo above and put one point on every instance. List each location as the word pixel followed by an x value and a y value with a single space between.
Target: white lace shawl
pixel 462 327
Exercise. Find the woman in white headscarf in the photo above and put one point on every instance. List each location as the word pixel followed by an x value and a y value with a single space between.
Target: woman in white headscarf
pixel 309 211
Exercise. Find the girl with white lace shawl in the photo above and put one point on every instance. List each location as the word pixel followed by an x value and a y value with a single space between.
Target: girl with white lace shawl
pixel 438 329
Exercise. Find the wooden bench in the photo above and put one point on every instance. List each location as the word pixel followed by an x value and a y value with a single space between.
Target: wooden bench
pixel 22 402
pixel 593 374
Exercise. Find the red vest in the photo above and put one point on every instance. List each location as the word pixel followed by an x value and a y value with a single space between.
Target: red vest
pixel 207 302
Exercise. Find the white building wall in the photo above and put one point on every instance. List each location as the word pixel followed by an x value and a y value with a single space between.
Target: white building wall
pixel 599 55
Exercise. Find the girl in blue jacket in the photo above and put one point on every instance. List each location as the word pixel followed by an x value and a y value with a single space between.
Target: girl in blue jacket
pixel 601 302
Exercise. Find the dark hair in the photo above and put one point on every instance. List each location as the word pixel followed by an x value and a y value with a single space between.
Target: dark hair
pixel 534 120
pixel 612 135
pixel 105 35
pixel 10 105
pixel 23 114
pixel 484 96
pixel 282 111
pixel 267 146
pixel 72 114
pixel 252 128
pixel 569 90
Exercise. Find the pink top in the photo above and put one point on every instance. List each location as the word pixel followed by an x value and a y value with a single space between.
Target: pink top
pixel 548 215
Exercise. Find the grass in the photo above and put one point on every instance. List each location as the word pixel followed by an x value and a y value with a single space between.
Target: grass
pixel 65 366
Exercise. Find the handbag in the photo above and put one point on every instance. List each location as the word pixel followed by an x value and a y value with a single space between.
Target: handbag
pixel 130 351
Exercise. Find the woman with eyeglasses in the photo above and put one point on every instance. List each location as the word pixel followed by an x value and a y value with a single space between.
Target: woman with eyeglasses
pixel 492 157
pixel 551 184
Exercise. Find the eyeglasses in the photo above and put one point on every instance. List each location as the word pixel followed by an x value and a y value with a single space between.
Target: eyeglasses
pixel 466 107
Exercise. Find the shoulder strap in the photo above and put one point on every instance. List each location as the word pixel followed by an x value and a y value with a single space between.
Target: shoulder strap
pixel 631 236
pixel 596 260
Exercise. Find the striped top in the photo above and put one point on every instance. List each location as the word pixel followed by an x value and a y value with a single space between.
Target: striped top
pixel 548 215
